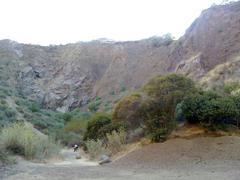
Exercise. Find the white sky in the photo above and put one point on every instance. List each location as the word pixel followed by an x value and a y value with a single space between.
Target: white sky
pixel 66 21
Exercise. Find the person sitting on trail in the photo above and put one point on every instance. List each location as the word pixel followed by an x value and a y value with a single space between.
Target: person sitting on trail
pixel 75 147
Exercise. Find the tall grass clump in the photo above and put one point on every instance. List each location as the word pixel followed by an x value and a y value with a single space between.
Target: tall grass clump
pixel 95 148
pixel 22 139
pixel 116 141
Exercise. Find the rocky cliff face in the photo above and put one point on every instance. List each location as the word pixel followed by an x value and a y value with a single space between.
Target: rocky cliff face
pixel 212 39
pixel 67 76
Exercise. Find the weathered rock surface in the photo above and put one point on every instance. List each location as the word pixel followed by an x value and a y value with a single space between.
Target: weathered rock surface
pixel 104 159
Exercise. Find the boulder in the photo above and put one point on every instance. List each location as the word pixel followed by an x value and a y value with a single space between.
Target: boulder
pixel 104 159
pixel 78 156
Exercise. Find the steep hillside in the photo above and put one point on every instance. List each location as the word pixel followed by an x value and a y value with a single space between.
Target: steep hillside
pixel 68 76
pixel 212 39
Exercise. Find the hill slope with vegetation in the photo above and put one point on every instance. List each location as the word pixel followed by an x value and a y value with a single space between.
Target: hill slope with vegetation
pixel 104 95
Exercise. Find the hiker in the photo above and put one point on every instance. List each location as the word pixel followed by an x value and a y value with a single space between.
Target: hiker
pixel 75 148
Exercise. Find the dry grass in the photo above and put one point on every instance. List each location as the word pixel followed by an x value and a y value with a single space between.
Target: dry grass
pixel 95 148
pixel 22 139
pixel 128 148
pixel 116 141
pixel 221 74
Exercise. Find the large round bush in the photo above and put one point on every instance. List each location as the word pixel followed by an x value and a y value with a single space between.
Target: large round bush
pixel 99 125
pixel 129 111
pixel 209 109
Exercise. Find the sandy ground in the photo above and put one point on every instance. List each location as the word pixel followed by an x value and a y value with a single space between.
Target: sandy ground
pixel 207 158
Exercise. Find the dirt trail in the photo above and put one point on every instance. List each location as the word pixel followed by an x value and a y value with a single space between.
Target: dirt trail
pixel 70 159
pixel 207 158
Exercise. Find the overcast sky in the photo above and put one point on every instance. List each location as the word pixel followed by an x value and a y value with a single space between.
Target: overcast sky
pixel 66 21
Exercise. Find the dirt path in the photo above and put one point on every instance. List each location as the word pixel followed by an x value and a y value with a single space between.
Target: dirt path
pixel 200 158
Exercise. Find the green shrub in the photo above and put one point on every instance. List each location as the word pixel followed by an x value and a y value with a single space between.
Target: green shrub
pixel 123 88
pixel 159 135
pixel 236 100
pixel 98 125
pixel 107 107
pixel 46 121
pixel 34 107
pixel 7 115
pixel 2 95
pixel 3 102
pixel 155 106
pixel 169 90
pixel 20 110
pixel 68 138
pixel 75 115
pixel 4 158
pixel 116 141
pixel 95 148
pixel 67 116
pixel 210 109
pixel 158 127
pixel 111 127
pixel 128 111
pixel 94 105
pixel 10 113
pixel 76 126
pixel 231 87
pixel 20 138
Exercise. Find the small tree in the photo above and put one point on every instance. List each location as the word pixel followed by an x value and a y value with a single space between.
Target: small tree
pixel 157 127
pixel 169 90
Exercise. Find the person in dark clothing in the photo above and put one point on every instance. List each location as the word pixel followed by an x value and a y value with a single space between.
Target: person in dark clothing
pixel 75 148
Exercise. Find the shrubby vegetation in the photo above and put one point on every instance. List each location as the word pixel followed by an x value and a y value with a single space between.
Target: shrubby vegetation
pixel 166 100
pixel 116 141
pixel 211 109
pixel 4 158
pixel 99 125
pixel 15 108
pixel 94 105
pixel 167 91
pixel 154 108
pixel 15 136
pixel 102 136
pixel 129 111
pixel 7 114
pixel 157 127
pixel 231 88
pixel 164 93
pixel 68 138
pixel 21 139
pixel 75 124
pixel 152 112
pixel 48 121
pixel 95 148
